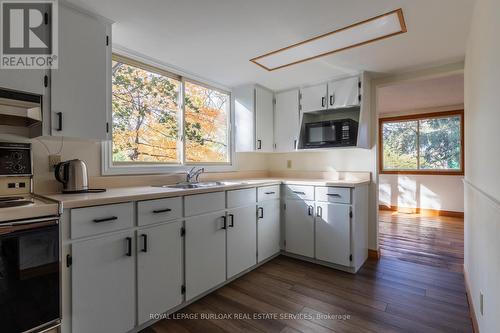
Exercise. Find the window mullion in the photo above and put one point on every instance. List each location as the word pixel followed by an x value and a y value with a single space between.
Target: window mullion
pixel 418 144
pixel 182 144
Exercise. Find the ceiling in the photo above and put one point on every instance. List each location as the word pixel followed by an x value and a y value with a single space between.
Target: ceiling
pixel 215 39
pixel 421 94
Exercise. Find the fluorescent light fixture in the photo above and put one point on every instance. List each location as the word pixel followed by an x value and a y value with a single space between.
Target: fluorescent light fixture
pixel 368 31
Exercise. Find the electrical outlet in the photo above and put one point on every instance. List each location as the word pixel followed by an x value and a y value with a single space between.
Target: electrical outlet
pixel 288 164
pixel 481 303
pixel 53 161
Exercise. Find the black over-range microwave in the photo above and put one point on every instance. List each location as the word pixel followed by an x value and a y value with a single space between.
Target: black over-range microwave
pixel 331 133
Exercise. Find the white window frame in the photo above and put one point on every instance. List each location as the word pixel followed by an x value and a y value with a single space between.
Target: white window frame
pixel 107 166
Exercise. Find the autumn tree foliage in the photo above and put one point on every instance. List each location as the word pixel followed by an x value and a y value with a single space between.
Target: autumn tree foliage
pixel 147 119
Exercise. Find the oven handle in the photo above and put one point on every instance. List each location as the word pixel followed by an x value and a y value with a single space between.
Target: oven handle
pixel 15 226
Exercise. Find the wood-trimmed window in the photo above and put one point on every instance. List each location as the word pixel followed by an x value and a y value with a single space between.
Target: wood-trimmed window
pixel 430 143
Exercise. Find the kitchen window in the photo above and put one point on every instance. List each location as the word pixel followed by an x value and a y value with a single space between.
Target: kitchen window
pixel 422 144
pixel 160 119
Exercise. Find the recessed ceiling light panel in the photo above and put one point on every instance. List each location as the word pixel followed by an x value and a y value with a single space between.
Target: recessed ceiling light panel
pixel 371 30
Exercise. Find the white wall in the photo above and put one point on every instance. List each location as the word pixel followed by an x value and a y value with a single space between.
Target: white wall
pixel 482 164
pixel 422 191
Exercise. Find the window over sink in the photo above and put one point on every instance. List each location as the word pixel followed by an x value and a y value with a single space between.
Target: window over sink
pixel 422 144
pixel 161 120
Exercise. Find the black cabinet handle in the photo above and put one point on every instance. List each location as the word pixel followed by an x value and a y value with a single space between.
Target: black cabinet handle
pixel 323 101
pixel 259 144
pixel 310 210
pixel 334 195
pixel 260 212
pixel 295 144
pixel 129 246
pixel 106 219
pixel 144 243
pixel 224 220
pixel 299 192
pixel 59 121
pixel 332 100
pixel 157 211
pixel 232 220
pixel 319 211
pixel 270 192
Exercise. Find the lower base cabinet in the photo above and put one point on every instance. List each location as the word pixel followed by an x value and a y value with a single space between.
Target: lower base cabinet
pixel 333 233
pixel 241 236
pixel 205 258
pixel 159 269
pixel 299 227
pixel 268 229
pixel 103 284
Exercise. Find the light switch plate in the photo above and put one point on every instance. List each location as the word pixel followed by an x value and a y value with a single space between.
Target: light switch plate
pixel 53 161
pixel 288 164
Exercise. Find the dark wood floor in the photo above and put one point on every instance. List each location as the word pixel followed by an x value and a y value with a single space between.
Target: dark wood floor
pixel 397 293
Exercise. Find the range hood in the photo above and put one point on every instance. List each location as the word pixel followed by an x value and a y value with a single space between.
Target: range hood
pixel 20 109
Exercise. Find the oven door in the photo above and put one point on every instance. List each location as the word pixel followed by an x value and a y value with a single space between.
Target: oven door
pixel 29 275
pixel 321 134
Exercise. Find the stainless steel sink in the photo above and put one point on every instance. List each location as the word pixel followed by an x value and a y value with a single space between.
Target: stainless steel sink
pixel 199 185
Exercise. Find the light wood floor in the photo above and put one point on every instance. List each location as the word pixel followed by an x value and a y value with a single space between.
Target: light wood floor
pixel 433 241
pixel 412 288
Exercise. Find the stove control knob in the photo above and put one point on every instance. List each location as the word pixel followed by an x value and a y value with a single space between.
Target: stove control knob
pixel 16 155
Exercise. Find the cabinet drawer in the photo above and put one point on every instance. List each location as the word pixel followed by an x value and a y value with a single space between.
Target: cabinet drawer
pixel 333 194
pixel 153 211
pixel 204 203
pixel 243 197
pixel 303 192
pixel 100 219
pixel 268 193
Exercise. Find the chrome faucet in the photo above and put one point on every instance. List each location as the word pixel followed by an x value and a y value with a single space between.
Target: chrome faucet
pixel 193 174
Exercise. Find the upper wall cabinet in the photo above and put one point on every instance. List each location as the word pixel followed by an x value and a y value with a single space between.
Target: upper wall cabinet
pixel 81 86
pixel 313 98
pixel 26 80
pixel 253 106
pixel 286 120
pixel 332 95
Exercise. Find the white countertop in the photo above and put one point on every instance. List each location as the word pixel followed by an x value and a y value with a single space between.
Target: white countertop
pixel 137 193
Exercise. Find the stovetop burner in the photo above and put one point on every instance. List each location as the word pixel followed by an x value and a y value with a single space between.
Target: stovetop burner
pixel 14 203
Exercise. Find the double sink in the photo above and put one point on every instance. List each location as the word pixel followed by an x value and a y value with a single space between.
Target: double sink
pixel 199 185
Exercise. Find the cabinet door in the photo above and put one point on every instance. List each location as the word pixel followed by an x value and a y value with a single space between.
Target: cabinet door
pixel 26 80
pixel 333 233
pixel 103 285
pixel 244 118
pixel 313 98
pixel 343 93
pixel 263 120
pixel 241 240
pixel 299 227
pixel 79 87
pixel 159 269
pixel 205 253
pixel 286 117
pixel 268 229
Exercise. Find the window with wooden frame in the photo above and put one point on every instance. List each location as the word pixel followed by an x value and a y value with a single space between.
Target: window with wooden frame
pixel 430 143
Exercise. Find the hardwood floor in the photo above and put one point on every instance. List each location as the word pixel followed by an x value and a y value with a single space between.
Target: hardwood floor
pixel 436 241
pixel 412 288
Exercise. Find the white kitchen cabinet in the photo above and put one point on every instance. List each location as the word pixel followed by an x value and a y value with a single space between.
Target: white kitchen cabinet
pixel 313 98
pixel 333 233
pixel 159 269
pixel 343 93
pixel 264 138
pixel 25 80
pixel 253 109
pixel 268 229
pixel 241 239
pixel 103 284
pixel 299 227
pixel 286 121
pixel 205 255
pixel 81 86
